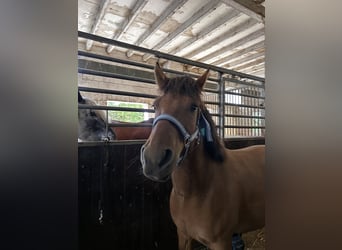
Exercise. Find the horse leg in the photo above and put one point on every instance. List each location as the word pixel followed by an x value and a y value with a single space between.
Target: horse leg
pixel 224 244
pixel 184 241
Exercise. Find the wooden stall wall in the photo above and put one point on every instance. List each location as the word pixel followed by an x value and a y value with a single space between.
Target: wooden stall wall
pixel 121 209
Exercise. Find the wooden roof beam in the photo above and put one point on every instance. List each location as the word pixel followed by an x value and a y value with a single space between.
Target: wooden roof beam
pixel 239 53
pixel 259 72
pixel 224 37
pixel 138 6
pixel 170 10
pixel 249 65
pixel 192 20
pixel 248 7
pixel 245 59
pixel 99 15
pixel 257 68
pixel 205 32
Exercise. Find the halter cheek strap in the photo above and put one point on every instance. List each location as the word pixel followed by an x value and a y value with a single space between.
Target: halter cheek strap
pixel 188 139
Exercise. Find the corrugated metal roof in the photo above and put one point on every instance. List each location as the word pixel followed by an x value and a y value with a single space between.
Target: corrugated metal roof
pixel 225 33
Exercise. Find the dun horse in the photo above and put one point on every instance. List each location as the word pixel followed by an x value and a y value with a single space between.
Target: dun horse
pixel 216 192
pixel 91 124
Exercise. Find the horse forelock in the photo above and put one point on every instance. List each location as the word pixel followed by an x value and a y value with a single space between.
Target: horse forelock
pixel 183 85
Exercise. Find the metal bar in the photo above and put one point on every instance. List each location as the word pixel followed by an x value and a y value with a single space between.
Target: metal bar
pixel 114 92
pixel 113 59
pixel 110 143
pixel 113 75
pixel 210 91
pixel 213 103
pixel 246 95
pixel 159 54
pixel 244 116
pixel 86 106
pixel 107 123
pixel 245 138
pixel 246 127
pixel 244 105
pixel 130 124
pixel 230 79
pixel 137 64
pixel 221 104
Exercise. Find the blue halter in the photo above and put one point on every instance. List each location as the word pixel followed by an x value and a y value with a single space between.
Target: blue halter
pixel 188 138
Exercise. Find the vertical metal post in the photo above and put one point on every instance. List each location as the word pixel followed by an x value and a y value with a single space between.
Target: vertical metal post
pixel 221 104
pixel 107 124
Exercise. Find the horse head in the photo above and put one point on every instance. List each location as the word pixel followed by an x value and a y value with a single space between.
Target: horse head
pixel 91 123
pixel 178 112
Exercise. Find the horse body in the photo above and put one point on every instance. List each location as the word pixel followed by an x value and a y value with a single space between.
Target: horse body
pixel 216 191
pixel 210 201
pixel 132 132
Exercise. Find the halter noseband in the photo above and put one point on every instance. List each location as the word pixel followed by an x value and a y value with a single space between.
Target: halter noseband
pixel 188 139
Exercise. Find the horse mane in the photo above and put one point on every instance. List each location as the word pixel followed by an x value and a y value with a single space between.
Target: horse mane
pixel 186 85
pixel 99 113
pixel 214 148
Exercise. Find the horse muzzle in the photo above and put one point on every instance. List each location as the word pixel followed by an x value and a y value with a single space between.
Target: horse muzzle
pixel 157 165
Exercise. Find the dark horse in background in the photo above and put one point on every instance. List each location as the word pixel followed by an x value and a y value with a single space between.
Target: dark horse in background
pixel 216 192
pixel 91 123
pixel 92 126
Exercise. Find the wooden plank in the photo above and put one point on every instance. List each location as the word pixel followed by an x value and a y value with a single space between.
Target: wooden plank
pixel 99 16
pixel 205 10
pixel 139 5
pixel 170 10
pixel 245 59
pixel 239 53
pixel 248 7
pixel 206 31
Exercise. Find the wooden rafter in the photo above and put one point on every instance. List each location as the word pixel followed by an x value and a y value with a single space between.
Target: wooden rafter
pixel 248 7
pixel 99 16
pixel 248 58
pixel 238 54
pixel 171 9
pixel 222 38
pixel 205 10
pixel 206 32
pixel 139 5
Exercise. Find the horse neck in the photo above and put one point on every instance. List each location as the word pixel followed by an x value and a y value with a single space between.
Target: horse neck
pixel 193 176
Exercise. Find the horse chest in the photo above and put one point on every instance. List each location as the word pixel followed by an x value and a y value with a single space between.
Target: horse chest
pixel 197 218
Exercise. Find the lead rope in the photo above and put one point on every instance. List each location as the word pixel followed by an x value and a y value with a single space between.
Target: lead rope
pixel 103 175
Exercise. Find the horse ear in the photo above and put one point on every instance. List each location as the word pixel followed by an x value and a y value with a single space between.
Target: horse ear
pixel 202 79
pixel 80 98
pixel 160 76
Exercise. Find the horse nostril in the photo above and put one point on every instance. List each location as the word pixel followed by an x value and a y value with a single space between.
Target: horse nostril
pixel 166 158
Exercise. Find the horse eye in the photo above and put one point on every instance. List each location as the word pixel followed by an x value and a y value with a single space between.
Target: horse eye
pixel 154 106
pixel 194 107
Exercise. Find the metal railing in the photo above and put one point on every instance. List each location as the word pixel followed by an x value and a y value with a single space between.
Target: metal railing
pixel 236 103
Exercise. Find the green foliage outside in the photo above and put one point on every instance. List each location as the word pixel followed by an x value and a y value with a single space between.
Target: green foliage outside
pixel 125 116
